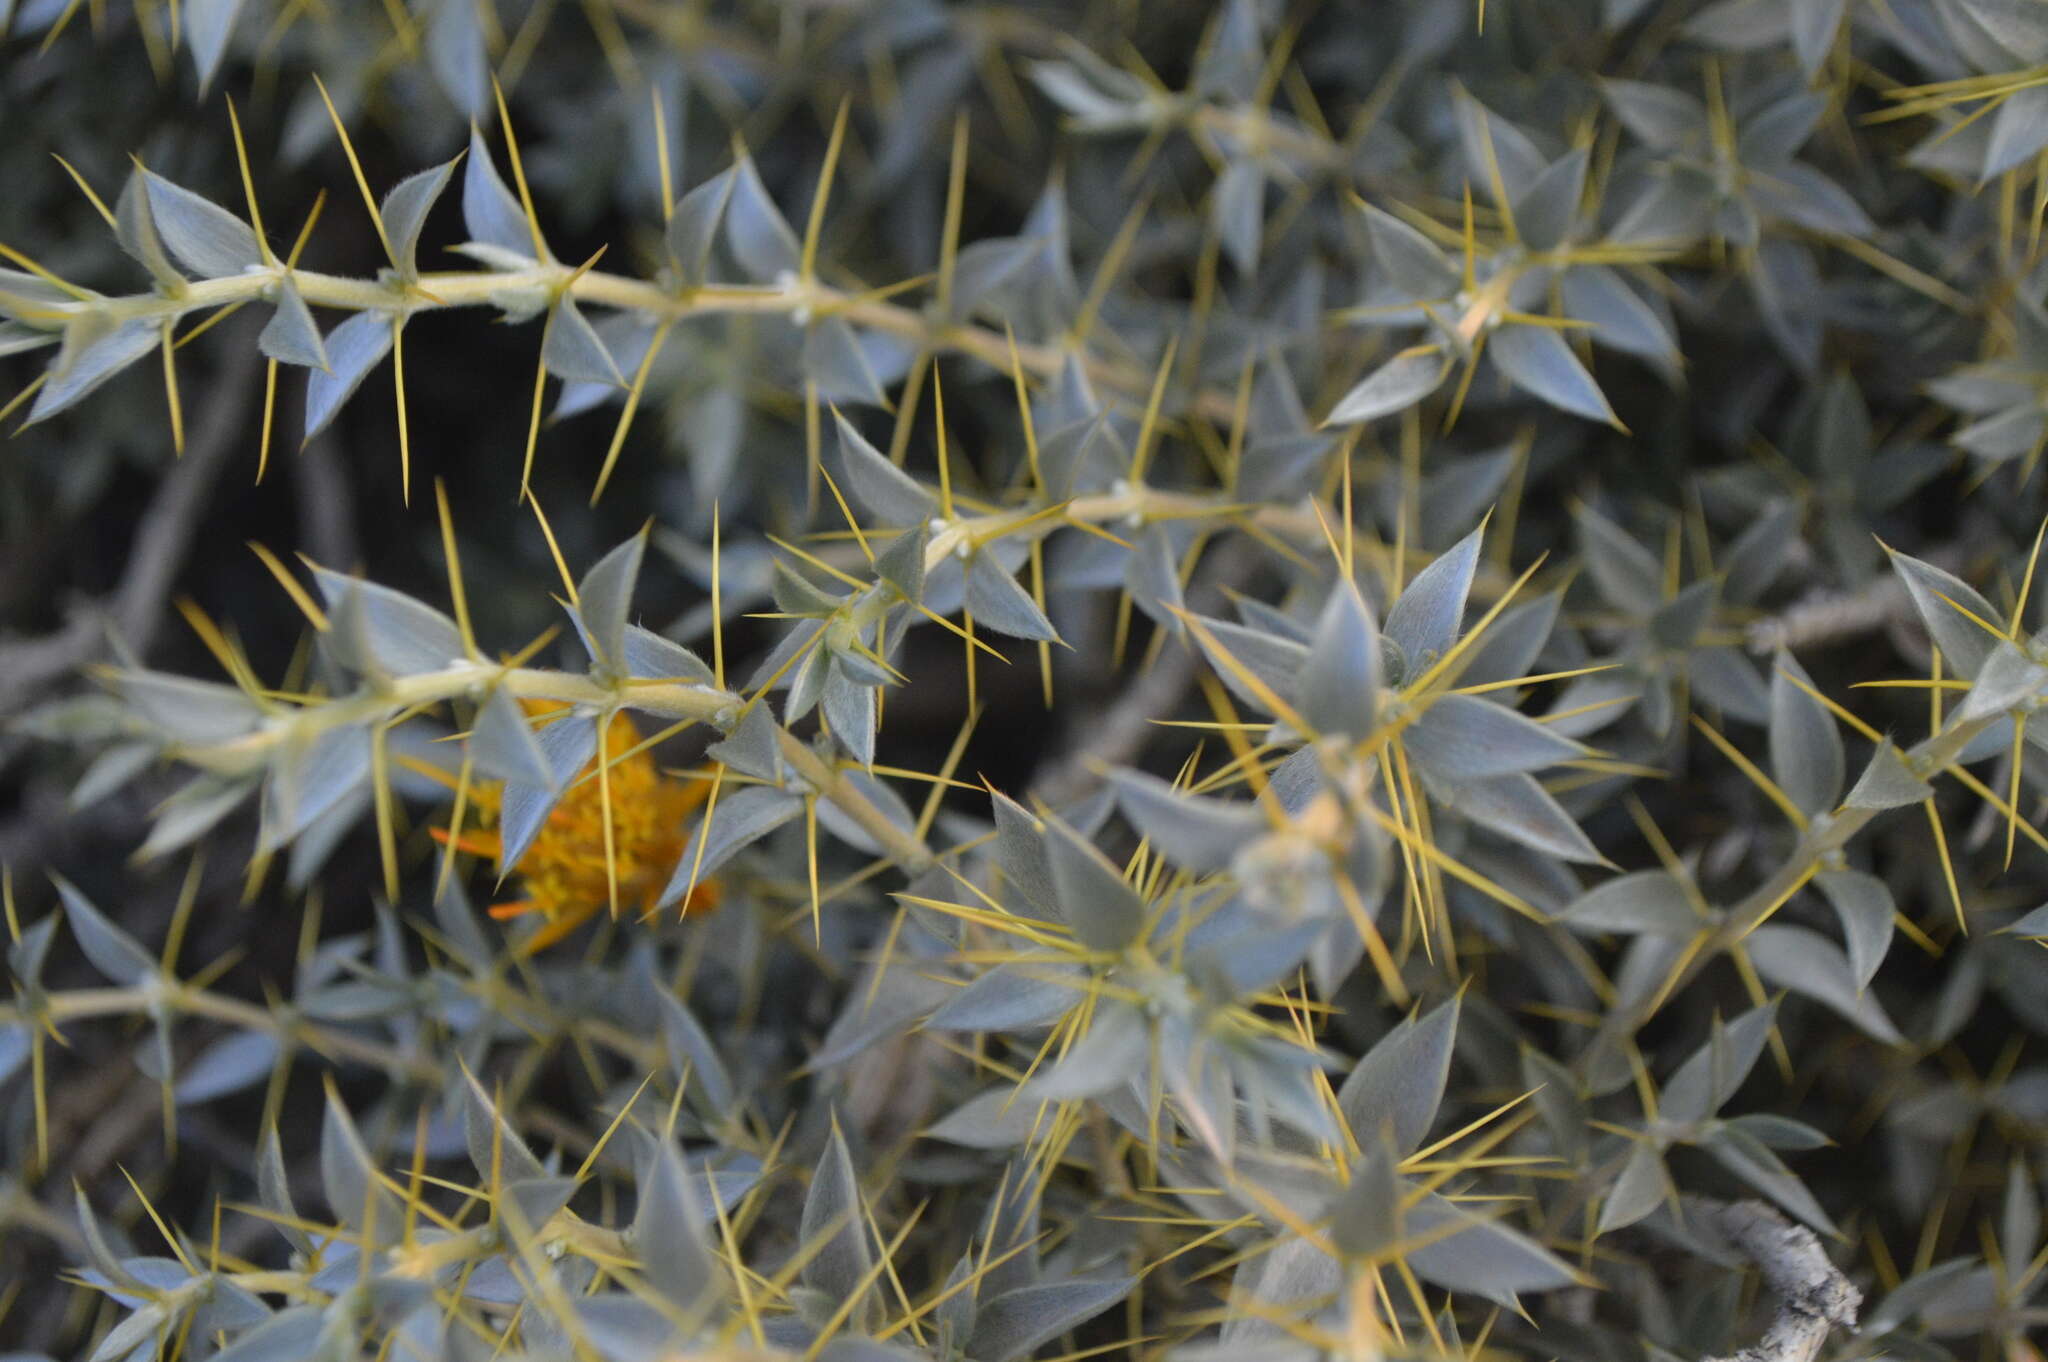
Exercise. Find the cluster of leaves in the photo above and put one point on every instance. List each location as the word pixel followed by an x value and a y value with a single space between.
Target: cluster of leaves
pixel 1526 523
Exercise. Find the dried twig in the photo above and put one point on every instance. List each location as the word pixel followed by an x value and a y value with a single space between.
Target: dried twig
pixel 1115 735
pixel 1813 1295
pixel 162 539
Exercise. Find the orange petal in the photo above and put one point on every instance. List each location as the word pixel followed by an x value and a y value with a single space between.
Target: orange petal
pixel 517 908
pixel 475 843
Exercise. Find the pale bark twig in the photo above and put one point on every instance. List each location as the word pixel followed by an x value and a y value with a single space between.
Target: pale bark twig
pixel 1812 1295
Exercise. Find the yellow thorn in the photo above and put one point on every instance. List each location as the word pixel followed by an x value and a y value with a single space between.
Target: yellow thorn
pixel 555 549
pixel 356 167
pixel 99 206
pixel 540 245
pixel 248 181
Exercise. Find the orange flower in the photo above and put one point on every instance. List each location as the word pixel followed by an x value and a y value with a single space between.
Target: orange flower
pixel 564 871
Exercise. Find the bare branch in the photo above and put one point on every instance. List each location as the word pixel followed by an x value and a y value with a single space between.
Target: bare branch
pixel 1813 1295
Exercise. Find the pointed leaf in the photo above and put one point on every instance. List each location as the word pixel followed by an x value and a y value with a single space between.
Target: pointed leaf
pixel 1192 832
pixel 349 1176
pixel 1539 361
pixel 1017 1321
pixel 1649 901
pixel 1340 679
pixel 1464 737
pixel 396 634
pixel 1936 596
pixel 206 238
pixel 574 351
pixel 604 599
pixel 291 336
pixel 208 24
pixel 1412 263
pixel 490 214
pixel 998 600
pixel 832 1216
pixel 880 486
pixel 1425 620
pixel 1400 1081
pixel 1642 1187
pixel 694 225
pixel 89 357
pixel 1546 214
pixel 112 951
pixel 741 819
pixel 668 1231
pixel 1863 904
pixel 1806 748
pixel 756 232
pixel 1113 1052
pixel 353 348
pixel 1104 911
pixel 1395 386
pixel 405 208
pixel 1808 963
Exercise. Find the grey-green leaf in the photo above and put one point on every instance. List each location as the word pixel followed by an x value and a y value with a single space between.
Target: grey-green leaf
pixel 353 348
pixel 1546 214
pixel 1887 782
pixel 2007 680
pixel 1941 598
pixel 604 598
pixel 1395 386
pixel 668 1231
pixel 1642 1187
pixel 349 1176
pixel 832 1217
pixel 755 230
pixel 377 629
pixel 1425 620
pixel 405 208
pixel 1517 808
pixel 1400 1081
pixel 1017 1321
pixel 208 24
pixel 1806 748
pixel 740 820
pixel 1539 361
pixel 1710 1076
pixel 502 745
pixel 112 951
pixel 89 357
pixel 1482 1257
pixel 997 599
pixel 1807 962
pixel 206 238
pixel 1193 832
pixel 490 214
pixel 1623 571
pixel 1463 737
pixel 1340 679
pixel 693 226
pixel 495 1149
pixel 878 485
pixel 1863 904
pixel 291 336
pixel 1414 264
pixel 573 349
pixel 1104 911
pixel 1110 1054
pixel 1648 901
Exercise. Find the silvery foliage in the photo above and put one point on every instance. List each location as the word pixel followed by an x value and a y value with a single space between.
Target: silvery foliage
pixel 1403 991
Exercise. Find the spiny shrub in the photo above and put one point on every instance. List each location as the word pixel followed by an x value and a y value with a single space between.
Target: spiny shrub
pixel 1226 683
